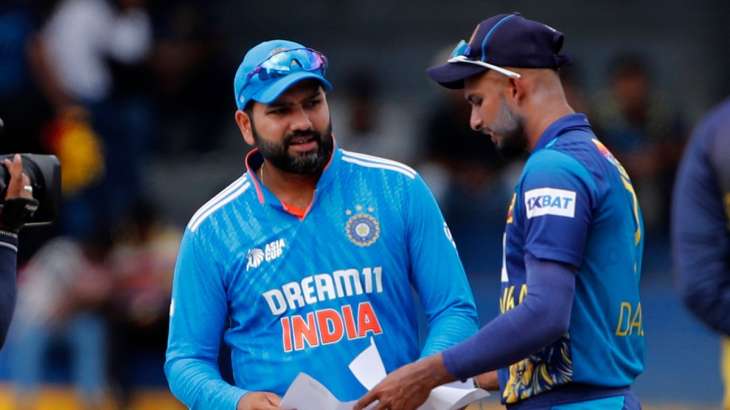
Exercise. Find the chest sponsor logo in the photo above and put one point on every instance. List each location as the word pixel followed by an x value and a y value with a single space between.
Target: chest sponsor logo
pixel 328 325
pixel 550 201
pixel 362 228
pixel 256 256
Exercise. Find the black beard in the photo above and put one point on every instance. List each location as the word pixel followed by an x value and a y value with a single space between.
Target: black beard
pixel 309 163
pixel 514 143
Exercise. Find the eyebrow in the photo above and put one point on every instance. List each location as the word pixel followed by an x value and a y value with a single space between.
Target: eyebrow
pixel 313 95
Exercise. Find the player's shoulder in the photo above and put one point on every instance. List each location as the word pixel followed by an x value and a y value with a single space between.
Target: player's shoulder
pixel 556 159
pixel 719 115
pixel 216 207
pixel 570 164
pixel 377 167
pixel 707 135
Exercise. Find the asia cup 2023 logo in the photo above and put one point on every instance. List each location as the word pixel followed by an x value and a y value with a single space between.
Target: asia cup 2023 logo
pixel 362 228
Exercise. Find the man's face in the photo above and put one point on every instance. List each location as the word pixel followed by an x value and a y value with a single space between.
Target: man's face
pixel 294 132
pixel 492 115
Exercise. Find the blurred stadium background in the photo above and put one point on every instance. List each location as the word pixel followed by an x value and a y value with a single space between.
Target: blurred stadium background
pixel 135 97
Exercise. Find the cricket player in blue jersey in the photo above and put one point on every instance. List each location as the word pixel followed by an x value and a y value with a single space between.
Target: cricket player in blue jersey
pixel 570 334
pixel 701 227
pixel 312 252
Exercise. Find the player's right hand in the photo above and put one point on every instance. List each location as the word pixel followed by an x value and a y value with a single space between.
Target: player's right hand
pixel 259 401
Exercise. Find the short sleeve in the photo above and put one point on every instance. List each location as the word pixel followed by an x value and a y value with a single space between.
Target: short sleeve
pixel 557 196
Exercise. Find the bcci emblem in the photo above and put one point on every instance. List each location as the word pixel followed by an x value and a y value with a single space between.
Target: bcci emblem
pixel 362 229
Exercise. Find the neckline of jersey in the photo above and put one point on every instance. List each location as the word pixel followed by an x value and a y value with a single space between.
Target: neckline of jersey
pixel 254 160
pixel 560 126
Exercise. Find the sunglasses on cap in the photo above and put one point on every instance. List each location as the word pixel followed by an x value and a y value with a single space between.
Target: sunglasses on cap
pixel 285 62
pixel 460 55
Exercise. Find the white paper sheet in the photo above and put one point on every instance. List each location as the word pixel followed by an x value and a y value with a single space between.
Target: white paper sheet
pixel 368 366
pixel 306 393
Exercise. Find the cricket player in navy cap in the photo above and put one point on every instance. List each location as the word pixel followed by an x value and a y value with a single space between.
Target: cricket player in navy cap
pixel 309 255
pixel 570 334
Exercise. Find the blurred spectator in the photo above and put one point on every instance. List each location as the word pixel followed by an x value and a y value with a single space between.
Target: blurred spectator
pixel 454 154
pixel 468 178
pixel 143 262
pixel 371 123
pixel 24 107
pixel 643 132
pixel 573 88
pixel 191 85
pixel 95 49
pixel 469 157
pixel 62 291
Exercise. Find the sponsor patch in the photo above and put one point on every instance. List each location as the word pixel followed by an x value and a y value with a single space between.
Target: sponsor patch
pixel 550 201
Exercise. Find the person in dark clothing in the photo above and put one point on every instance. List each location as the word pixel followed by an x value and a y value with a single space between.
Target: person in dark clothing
pixel 701 228
pixel 18 204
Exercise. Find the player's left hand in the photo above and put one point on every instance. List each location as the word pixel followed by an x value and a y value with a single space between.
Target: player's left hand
pixel 408 387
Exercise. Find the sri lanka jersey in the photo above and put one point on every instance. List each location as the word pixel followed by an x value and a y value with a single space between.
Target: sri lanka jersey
pixel 304 294
pixel 574 203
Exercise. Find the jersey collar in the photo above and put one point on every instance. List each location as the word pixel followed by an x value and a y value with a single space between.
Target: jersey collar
pixel 254 160
pixel 560 126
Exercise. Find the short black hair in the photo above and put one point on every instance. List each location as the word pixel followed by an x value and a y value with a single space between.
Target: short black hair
pixel 248 109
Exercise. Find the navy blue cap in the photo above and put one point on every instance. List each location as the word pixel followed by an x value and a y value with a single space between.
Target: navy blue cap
pixel 504 40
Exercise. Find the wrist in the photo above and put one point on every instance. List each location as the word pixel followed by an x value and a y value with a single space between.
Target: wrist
pixel 8 240
pixel 16 212
pixel 437 372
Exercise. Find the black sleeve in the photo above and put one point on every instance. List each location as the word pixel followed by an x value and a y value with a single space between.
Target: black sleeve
pixel 8 286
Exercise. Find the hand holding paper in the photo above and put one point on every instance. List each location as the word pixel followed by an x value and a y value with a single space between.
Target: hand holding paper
pixel 398 390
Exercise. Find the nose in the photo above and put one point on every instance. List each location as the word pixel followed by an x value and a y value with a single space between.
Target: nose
pixel 300 120
pixel 475 120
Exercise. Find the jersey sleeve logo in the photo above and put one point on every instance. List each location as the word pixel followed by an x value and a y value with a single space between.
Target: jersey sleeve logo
pixel 550 201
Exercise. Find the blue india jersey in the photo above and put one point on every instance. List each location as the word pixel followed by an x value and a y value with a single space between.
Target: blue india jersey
pixel 574 204
pixel 305 293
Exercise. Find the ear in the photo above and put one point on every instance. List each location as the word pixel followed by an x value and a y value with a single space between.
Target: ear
pixel 245 126
pixel 518 90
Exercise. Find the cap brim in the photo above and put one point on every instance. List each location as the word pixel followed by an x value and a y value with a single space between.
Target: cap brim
pixel 273 91
pixel 452 75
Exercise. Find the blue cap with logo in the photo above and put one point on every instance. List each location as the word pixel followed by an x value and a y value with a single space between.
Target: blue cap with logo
pixel 504 40
pixel 270 68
